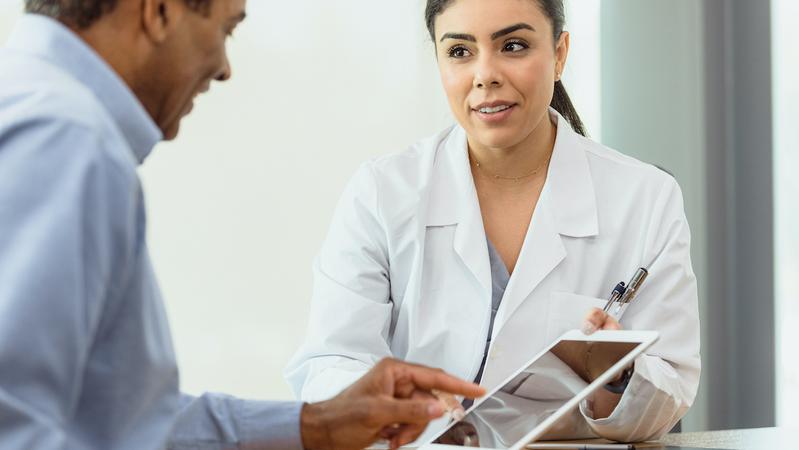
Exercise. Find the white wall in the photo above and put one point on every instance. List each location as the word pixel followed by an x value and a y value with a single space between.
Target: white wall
pixel 239 204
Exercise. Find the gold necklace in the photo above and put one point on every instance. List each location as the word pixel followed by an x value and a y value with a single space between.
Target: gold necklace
pixel 501 177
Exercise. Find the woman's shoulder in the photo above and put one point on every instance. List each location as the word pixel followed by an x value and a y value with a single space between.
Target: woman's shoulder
pixel 421 152
pixel 411 168
pixel 610 164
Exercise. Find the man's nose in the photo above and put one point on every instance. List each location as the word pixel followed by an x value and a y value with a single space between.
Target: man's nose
pixel 225 73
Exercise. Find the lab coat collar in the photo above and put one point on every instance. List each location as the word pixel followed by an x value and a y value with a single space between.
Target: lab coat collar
pixel 453 201
pixel 570 188
pixel 567 207
pixel 573 199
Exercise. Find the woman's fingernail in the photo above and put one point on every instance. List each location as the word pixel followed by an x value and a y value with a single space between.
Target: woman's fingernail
pixel 458 414
pixel 588 328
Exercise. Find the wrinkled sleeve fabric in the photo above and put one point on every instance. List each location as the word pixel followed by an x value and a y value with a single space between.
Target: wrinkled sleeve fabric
pixel 666 377
pixel 64 237
pixel 214 421
pixel 351 309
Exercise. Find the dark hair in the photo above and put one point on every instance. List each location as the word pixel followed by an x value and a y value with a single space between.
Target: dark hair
pixel 83 13
pixel 555 10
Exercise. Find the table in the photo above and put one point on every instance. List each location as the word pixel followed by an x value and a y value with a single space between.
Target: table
pixel 749 439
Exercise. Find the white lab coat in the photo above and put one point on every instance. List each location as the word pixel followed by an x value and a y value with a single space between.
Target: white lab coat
pixel 404 273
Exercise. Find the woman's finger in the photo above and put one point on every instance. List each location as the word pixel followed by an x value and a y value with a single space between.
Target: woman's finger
pixel 594 320
pixel 611 323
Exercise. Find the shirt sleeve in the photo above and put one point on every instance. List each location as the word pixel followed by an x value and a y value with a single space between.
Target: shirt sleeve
pixel 63 211
pixel 216 420
pixel 666 377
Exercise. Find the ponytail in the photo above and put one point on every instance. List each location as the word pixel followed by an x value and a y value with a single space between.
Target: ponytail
pixel 563 104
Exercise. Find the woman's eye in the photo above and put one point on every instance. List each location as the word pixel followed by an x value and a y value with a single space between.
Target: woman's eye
pixel 515 46
pixel 458 52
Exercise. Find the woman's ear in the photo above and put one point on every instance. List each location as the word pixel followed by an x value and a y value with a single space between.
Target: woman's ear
pixel 561 54
pixel 158 18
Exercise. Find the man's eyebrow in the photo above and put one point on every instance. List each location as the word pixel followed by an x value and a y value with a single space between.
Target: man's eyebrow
pixel 511 29
pixel 458 36
pixel 239 18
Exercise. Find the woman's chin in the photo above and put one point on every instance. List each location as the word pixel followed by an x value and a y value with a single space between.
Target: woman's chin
pixel 495 139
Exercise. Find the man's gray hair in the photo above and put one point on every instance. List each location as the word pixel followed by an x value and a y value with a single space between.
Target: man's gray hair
pixel 83 13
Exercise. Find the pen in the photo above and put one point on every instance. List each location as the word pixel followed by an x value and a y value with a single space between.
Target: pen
pixel 618 291
pixel 557 446
pixel 632 287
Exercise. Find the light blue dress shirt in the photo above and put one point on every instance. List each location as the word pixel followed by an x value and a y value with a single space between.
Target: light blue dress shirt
pixel 86 359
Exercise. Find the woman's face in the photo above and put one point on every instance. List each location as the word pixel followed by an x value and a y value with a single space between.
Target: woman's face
pixel 498 65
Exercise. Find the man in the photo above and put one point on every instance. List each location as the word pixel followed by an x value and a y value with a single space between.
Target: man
pixel 87 88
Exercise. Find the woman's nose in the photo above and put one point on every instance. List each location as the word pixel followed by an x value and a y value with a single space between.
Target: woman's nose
pixel 486 74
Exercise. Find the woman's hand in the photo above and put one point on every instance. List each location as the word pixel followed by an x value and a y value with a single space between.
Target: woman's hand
pixel 602 402
pixel 596 319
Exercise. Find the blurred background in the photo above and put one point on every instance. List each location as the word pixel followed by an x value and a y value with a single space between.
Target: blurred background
pixel 240 203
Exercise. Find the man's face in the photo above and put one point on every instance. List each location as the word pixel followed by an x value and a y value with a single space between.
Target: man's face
pixel 191 57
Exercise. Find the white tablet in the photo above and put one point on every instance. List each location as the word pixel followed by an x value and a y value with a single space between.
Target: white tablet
pixel 528 403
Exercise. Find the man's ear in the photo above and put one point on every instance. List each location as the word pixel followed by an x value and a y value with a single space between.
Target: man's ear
pixel 159 18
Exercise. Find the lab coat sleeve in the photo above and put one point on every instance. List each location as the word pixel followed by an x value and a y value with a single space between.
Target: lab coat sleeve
pixel 351 307
pixel 666 377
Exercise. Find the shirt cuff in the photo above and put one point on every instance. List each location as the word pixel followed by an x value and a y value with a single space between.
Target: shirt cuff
pixel 645 411
pixel 270 425
pixel 639 375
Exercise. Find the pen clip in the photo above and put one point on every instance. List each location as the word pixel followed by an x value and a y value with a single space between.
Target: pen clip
pixel 634 285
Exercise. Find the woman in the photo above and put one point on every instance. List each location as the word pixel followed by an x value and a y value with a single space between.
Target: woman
pixel 477 247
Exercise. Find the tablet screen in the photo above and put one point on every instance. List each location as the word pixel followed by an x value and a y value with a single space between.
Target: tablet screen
pixel 533 395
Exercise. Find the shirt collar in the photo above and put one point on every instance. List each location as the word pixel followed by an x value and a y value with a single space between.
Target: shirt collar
pixel 50 40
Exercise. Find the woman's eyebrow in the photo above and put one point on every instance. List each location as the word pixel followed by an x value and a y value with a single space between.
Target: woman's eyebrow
pixel 458 36
pixel 494 36
pixel 511 29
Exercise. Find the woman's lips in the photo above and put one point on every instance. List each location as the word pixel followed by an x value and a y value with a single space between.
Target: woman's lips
pixel 494 118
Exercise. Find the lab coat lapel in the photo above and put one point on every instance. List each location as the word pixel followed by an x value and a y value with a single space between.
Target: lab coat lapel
pixel 453 200
pixel 566 207
pixel 541 252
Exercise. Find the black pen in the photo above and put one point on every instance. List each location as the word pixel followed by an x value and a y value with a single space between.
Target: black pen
pixel 618 291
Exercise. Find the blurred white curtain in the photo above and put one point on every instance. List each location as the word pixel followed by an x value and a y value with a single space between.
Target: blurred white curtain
pixel 785 23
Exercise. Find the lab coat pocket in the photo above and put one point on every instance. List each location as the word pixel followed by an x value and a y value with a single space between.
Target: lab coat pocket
pixel 566 312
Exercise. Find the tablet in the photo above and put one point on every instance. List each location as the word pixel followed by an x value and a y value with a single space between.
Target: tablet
pixel 530 402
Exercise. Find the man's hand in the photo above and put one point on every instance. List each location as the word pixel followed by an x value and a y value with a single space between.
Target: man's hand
pixel 394 401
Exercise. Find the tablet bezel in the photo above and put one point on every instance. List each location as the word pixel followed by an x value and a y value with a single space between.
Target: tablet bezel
pixel 645 340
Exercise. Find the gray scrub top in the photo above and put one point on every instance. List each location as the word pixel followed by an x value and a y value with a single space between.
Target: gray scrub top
pixel 499 281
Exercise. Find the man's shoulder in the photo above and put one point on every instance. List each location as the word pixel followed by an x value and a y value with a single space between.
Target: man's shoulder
pixel 32 89
pixel 38 98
